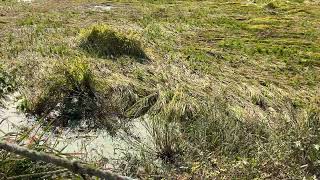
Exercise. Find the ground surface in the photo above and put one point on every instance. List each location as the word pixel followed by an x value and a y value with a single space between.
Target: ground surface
pixel 231 87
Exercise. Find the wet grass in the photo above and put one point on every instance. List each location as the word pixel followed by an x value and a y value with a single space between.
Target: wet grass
pixel 230 88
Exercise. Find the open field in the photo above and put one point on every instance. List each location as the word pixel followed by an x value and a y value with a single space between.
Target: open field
pixel 230 89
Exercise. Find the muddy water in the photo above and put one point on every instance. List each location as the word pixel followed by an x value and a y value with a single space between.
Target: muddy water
pixel 91 146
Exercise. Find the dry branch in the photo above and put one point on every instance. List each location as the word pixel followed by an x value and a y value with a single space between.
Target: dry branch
pixel 73 166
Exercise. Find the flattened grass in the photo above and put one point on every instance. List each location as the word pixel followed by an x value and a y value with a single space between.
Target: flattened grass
pixel 232 89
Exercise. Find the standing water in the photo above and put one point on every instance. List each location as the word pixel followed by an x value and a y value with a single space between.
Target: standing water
pixel 90 146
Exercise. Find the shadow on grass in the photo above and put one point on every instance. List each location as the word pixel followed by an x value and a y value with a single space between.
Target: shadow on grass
pixel 104 42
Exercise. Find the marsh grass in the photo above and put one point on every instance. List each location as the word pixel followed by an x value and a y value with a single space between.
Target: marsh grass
pixel 7 81
pixel 166 137
pixel 70 90
pixel 232 90
pixel 103 41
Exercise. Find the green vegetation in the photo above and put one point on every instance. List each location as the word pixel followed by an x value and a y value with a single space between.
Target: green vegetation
pixel 230 90
pixel 23 166
pixel 101 40
pixel 70 89
pixel 7 81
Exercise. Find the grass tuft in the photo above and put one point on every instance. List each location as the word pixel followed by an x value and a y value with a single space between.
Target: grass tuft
pixel 71 91
pixel 7 82
pixel 106 42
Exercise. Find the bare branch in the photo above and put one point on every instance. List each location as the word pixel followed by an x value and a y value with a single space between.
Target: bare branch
pixel 73 166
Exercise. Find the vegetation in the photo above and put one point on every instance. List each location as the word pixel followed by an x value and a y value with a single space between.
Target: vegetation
pixel 229 89
pixel 7 82
pixel 101 40
pixel 70 90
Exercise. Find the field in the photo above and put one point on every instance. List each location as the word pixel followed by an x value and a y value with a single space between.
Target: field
pixel 230 89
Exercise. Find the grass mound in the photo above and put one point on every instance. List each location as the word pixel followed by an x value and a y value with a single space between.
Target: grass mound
pixel 71 91
pixel 105 42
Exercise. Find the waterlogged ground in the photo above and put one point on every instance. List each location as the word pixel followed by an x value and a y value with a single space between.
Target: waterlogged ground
pixel 88 145
pixel 233 86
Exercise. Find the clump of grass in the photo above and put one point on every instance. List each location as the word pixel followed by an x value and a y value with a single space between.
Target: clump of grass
pixel 271 6
pixel 185 127
pixel 7 82
pixel 167 137
pixel 103 41
pixel 70 90
pixel 305 143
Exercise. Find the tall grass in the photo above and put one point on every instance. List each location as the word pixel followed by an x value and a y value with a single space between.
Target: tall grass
pixel 213 139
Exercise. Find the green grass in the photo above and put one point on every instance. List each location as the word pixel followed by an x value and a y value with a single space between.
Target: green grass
pixel 230 88
pixel 7 81
pixel 102 41
pixel 69 89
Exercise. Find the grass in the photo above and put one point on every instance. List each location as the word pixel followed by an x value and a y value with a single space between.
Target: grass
pixel 102 41
pixel 70 90
pixel 230 88
pixel 7 81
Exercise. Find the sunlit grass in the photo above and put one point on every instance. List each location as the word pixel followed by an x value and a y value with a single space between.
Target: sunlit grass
pixel 230 88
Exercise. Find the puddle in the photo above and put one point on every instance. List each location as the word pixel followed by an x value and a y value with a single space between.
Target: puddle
pixel 102 8
pixel 26 1
pixel 99 144
pixel 10 118
pixel 87 146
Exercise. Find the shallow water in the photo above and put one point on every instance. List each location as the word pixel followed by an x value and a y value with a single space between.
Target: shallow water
pixel 102 8
pixel 10 118
pixel 93 145
pixel 26 1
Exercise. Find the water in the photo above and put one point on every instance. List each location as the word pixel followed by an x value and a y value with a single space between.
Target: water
pixel 92 145
pixel 26 1
pixel 10 119
pixel 102 8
